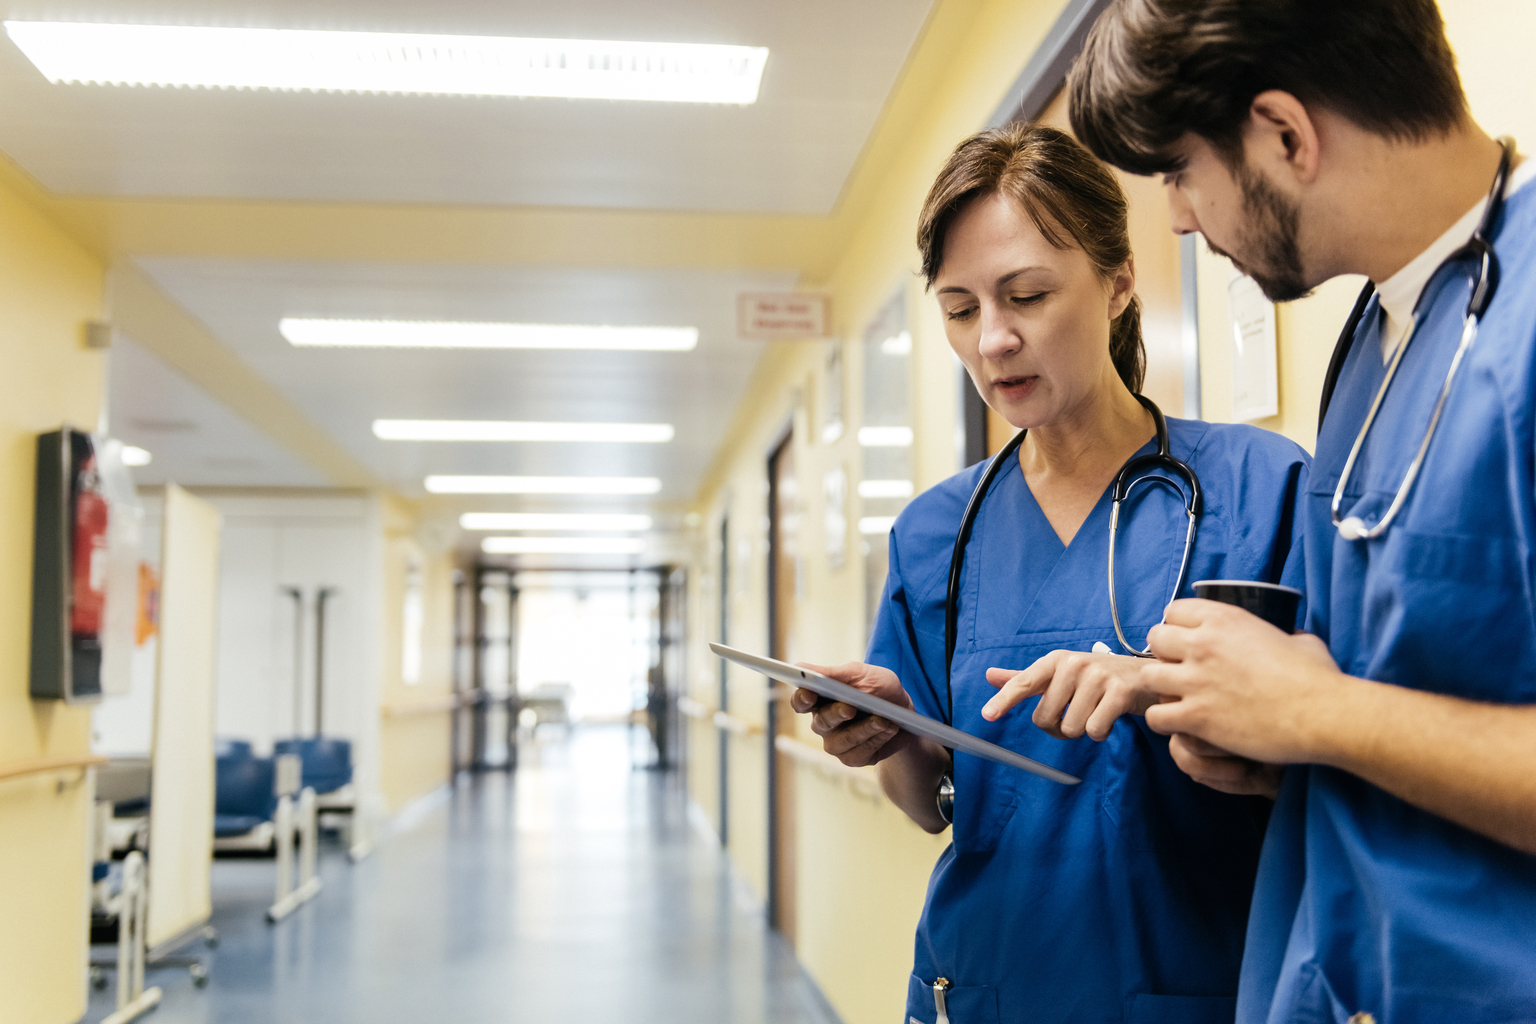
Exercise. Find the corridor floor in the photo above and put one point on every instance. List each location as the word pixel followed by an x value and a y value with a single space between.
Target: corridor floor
pixel 573 890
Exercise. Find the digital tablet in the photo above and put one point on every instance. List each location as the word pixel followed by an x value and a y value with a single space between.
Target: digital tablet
pixel 909 720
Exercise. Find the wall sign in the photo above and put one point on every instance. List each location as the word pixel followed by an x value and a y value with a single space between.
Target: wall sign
pixel 1255 378
pixel 769 317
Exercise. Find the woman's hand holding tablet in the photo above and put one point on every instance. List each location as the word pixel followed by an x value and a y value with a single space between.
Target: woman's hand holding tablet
pixel 848 734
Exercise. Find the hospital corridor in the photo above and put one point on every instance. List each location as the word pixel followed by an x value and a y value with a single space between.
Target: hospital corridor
pixel 668 512
pixel 499 901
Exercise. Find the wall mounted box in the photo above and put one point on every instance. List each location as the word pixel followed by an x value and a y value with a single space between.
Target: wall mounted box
pixel 66 662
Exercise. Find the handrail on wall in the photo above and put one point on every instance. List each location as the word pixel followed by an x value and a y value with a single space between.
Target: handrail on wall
pixel 820 760
pixel 732 724
pixel 49 764
pixel 420 707
pixel 727 723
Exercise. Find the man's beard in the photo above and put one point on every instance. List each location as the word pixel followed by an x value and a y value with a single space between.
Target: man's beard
pixel 1270 235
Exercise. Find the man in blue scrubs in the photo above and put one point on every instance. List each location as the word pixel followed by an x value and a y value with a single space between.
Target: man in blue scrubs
pixel 1309 139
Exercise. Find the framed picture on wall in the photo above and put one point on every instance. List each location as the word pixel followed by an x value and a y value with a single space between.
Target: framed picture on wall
pixel 834 492
pixel 832 404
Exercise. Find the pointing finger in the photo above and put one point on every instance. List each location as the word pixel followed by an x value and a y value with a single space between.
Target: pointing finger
pixel 1019 686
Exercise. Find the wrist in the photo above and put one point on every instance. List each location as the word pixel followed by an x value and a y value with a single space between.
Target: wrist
pixel 1344 720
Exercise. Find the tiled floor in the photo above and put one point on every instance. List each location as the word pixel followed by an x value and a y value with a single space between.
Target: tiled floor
pixel 574 891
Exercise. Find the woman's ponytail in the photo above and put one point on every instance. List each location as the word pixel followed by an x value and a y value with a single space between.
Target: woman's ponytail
pixel 1126 350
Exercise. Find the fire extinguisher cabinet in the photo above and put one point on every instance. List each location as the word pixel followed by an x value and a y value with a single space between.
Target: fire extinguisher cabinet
pixel 68 570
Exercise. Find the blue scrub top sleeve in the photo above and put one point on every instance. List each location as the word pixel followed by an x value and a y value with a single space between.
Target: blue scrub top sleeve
pixel 893 643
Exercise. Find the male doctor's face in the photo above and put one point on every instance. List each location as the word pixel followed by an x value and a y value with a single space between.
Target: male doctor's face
pixel 1242 215
pixel 1030 321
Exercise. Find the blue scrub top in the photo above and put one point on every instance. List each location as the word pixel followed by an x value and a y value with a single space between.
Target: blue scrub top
pixel 1364 903
pixel 1124 898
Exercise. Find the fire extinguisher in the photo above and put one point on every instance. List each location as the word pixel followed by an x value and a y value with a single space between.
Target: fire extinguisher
pixel 70 568
pixel 88 590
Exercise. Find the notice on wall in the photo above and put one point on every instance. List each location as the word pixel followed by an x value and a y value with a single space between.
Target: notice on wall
pixel 1255 373
pixel 834 494
pixel 767 317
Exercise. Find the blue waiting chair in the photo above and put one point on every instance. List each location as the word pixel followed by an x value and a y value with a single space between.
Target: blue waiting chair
pixel 327 762
pixel 233 750
pixel 244 794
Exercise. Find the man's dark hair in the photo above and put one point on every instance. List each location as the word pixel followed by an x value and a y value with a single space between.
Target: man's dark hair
pixel 1152 70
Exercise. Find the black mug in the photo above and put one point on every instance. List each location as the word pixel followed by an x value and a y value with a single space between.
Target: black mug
pixel 1275 604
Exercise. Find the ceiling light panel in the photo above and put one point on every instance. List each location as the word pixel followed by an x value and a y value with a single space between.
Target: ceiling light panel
pixel 885 437
pixel 305 333
pixel 503 430
pixel 542 484
pixel 562 545
pixel 885 488
pixel 389 62
pixel 572 521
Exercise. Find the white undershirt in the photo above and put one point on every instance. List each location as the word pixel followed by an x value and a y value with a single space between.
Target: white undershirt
pixel 1399 292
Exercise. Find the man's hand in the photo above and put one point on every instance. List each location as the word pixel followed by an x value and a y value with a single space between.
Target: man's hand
pixel 1238 683
pixel 854 738
pixel 1082 693
pixel 1250 690
pixel 1211 766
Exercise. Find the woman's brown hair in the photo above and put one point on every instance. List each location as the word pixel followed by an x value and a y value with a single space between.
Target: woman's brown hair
pixel 1073 199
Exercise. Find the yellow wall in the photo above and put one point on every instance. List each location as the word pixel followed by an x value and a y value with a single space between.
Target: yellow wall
pixel 414 725
pixel 1491 39
pixel 48 288
pixel 861 866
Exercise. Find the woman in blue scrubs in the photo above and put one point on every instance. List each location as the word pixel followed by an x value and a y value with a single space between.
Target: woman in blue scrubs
pixel 1124 898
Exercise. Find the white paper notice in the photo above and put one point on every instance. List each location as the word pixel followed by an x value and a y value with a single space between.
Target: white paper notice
pixel 1255 379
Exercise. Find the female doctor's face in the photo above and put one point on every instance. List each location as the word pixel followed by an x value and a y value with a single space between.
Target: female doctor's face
pixel 1031 322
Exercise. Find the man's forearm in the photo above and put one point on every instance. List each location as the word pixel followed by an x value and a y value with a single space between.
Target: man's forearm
pixel 911 780
pixel 1468 762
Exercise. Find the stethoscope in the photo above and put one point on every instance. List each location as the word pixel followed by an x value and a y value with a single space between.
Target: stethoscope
pixel 1479 248
pixel 1138 470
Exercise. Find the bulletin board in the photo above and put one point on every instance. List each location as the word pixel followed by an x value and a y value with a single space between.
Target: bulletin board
pixel 181 784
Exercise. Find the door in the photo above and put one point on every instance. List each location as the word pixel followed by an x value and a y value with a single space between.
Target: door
pixel 783 581
pixel 724 738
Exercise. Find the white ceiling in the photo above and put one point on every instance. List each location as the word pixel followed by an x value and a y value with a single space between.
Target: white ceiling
pixel 345 390
pixel 195 440
pixel 831 65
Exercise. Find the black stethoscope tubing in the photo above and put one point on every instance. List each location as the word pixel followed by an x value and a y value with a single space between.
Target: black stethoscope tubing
pixel 1134 469
pixel 1479 246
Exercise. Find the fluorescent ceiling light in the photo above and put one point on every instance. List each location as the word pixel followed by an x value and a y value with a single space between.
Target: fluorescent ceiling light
pixel 543 484
pixel 562 545
pixel 502 430
pixel 885 437
pixel 614 523
pixel 136 456
pixel 873 525
pixel 885 488
pixel 456 334
pixel 389 62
